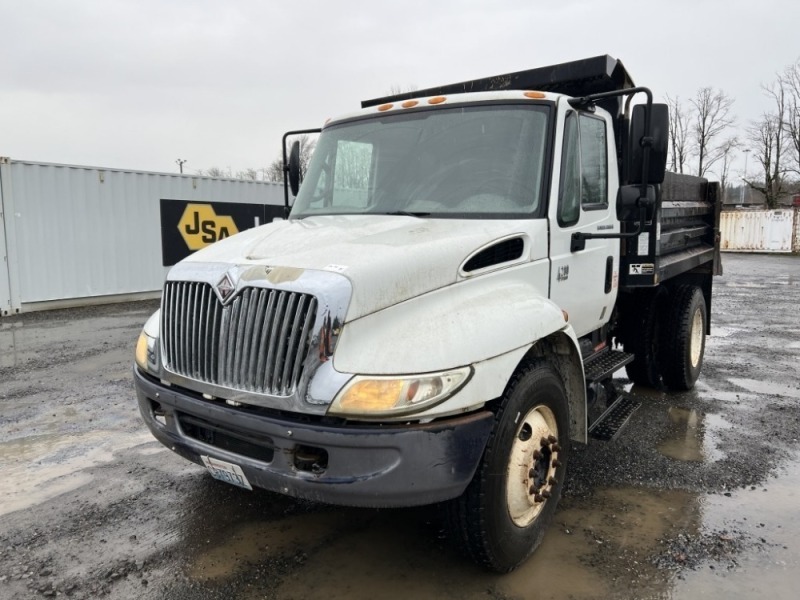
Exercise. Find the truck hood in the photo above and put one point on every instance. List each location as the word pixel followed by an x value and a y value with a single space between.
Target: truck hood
pixel 388 259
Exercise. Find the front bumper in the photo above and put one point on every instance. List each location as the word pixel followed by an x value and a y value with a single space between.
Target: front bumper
pixel 371 466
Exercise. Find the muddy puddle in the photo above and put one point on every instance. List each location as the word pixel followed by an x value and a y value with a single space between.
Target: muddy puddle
pixel 624 542
pixel 693 436
pixel 618 543
pixel 768 388
pixel 38 468
pixel 355 554
pixel 9 353
pixel 768 517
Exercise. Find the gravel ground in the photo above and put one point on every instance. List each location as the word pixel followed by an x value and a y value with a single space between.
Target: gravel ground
pixel 695 497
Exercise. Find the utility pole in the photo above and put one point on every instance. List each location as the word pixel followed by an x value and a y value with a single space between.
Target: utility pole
pixel 180 162
pixel 744 178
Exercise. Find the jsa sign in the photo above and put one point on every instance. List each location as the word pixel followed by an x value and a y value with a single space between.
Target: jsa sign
pixel 200 226
pixel 187 226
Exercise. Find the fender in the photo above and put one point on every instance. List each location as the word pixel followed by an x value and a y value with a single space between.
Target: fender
pixel 491 322
pixel 465 323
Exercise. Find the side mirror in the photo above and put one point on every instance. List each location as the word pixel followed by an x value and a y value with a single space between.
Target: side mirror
pixel 294 168
pixel 630 202
pixel 659 135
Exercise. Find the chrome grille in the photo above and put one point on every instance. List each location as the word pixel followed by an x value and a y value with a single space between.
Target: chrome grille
pixel 258 342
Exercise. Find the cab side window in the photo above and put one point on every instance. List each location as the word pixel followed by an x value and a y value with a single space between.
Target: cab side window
pixel 569 197
pixel 584 167
pixel 594 161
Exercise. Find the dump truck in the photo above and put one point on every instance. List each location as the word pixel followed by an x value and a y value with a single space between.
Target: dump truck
pixel 460 273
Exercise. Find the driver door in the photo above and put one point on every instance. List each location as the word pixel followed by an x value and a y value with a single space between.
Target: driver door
pixel 584 283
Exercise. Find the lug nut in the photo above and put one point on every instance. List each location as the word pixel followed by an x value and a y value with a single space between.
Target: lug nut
pixel 533 490
pixel 538 498
pixel 556 448
pixel 531 473
pixel 537 455
pixel 552 439
pixel 543 442
pixel 556 463
pixel 552 481
pixel 545 493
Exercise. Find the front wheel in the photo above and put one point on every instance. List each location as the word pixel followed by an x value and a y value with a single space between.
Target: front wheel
pixel 502 516
pixel 684 338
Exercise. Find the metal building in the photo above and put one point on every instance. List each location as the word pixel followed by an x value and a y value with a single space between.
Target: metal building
pixel 72 234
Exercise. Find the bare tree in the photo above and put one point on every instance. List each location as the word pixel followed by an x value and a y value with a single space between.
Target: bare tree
pixel 767 138
pixel 215 172
pixel 678 134
pixel 712 116
pixel 727 148
pixel 248 174
pixel 307 145
pixel 274 172
pixel 790 82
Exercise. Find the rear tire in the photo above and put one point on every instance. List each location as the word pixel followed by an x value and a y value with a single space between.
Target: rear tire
pixel 641 338
pixel 504 513
pixel 684 334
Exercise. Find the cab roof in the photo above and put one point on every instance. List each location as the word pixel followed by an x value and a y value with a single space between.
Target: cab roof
pixel 418 101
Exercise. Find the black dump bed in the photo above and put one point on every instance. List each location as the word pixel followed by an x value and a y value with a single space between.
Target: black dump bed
pixel 576 78
pixel 683 236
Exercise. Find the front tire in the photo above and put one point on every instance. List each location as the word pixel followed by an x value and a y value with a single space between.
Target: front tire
pixel 504 513
pixel 684 339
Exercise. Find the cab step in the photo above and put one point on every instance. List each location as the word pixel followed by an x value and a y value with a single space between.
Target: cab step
pixel 611 422
pixel 604 364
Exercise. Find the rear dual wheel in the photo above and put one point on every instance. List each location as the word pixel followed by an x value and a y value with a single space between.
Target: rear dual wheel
pixel 503 515
pixel 642 338
pixel 666 334
pixel 684 338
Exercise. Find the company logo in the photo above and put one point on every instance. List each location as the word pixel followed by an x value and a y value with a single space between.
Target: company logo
pixel 200 226
pixel 225 288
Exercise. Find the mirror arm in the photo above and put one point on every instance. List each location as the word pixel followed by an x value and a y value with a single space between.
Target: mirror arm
pixel 578 240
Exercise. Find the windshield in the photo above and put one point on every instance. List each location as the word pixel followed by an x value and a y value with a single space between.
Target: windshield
pixel 464 162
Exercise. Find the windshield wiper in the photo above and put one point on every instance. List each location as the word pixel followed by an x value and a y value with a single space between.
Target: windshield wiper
pixel 406 213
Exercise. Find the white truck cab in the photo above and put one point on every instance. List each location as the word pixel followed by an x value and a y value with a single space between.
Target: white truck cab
pixel 436 319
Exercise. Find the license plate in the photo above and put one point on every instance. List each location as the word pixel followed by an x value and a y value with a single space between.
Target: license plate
pixel 227 472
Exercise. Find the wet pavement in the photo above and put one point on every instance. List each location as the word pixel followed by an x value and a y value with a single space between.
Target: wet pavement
pixel 698 497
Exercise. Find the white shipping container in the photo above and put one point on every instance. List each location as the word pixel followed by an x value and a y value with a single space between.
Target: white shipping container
pixel 757 230
pixel 796 240
pixel 72 234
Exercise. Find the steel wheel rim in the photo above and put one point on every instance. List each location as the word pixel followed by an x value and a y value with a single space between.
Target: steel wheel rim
pixel 532 464
pixel 696 344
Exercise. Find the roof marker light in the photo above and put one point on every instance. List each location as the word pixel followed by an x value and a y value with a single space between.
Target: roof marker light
pixel 534 95
pixel 409 103
pixel 437 100
pixel 384 107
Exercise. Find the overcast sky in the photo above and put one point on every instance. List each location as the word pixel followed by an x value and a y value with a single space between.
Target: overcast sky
pixel 139 83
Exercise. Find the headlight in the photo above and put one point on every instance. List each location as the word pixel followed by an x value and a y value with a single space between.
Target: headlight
pixel 146 346
pixel 370 396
